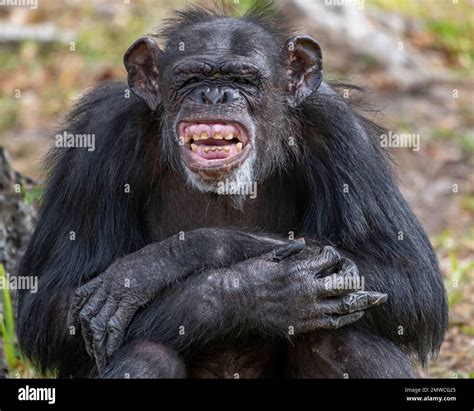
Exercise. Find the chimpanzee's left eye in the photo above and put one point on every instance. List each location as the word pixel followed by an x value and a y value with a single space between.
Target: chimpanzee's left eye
pixel 243 81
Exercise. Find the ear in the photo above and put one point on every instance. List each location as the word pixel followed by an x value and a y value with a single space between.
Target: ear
pixel 141 61
pixel 304 61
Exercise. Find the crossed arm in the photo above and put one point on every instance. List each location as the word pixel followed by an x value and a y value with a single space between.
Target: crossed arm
pixel 212 283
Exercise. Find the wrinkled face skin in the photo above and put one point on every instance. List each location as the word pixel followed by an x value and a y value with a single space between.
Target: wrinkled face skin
pixel 222 89
pixel 225 87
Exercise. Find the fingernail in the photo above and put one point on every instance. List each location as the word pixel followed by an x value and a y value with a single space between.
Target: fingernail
pixel 377 298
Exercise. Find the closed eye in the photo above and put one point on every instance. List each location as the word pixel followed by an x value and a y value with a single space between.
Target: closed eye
pixel 190 81
pixel 244 81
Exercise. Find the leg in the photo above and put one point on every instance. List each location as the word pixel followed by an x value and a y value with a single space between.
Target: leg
pixel 144 359
pixel 346 353
pixel 240 359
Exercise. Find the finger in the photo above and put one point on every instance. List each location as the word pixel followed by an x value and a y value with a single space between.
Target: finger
pixel 117 326
pixel 327 258
pixel 338 286
pixel 308 272
pixel 89 287
pixel 99 330
pixel 86 334
pixel 328 322
pixel 348 268
pixel 80 297
pixel 93 306
pixel 347 280
pixel 353 302
pixel 287 250
pixel 95 303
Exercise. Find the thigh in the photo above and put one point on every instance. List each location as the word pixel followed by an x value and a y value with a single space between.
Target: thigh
pixel 144 359
pixel 346 353
pixel 236 361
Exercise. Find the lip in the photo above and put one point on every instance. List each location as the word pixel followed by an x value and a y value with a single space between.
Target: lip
pixel 214 167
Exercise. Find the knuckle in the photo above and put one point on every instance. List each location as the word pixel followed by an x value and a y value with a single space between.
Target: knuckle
pixel 130 301
pixel 353 271
pixel 75 308
pixel 347 305
pixel 85 314
pixel 362 301
pixel 80 293
pixel 353 302
pixel 349 268
pixel 330 253
pixel 97 326
pixel 114 325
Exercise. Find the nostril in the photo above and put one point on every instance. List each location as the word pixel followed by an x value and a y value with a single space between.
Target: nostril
pixel 229 96
pixel 204 96
pixel 216 95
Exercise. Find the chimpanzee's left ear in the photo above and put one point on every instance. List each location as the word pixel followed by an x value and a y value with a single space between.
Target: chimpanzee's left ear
pixel 141 61
pixel 304 61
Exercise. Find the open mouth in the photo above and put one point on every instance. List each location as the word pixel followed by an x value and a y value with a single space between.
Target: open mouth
pixel 213 146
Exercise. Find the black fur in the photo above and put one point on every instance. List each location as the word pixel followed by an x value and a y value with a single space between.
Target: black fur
pixel 340 148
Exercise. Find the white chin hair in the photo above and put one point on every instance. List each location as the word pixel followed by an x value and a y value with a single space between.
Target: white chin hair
pixel 241 176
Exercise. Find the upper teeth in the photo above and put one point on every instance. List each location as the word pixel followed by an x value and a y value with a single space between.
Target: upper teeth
pixel 205 136
pixel 203 131
pixel 195 132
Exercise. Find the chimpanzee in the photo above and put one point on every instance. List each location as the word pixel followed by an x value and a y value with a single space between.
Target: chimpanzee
pixel 149 266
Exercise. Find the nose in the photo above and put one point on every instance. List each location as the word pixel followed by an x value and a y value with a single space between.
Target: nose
pixel 215 95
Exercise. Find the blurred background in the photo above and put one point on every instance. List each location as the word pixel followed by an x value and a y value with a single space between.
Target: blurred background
pixel 415 57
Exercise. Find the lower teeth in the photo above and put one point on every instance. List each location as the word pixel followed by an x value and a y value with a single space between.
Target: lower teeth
pixel 238 148
pixel 213 149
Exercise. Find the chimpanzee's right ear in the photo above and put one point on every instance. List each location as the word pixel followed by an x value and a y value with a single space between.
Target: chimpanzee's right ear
pixel 141 61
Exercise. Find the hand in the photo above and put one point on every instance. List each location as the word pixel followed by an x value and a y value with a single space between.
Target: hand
pixel 105 306
pixel 304 291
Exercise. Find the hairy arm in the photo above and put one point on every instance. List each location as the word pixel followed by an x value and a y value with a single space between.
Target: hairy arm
pixel 232 284
pixel 86 221
pixel 261 296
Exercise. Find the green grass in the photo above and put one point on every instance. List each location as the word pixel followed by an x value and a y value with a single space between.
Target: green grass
pixel 32 195
pixel 16 364
pixel 454 36
pixel 467 203
pixel 239 7
pixel 465 139
pixel 449 22
pixel 8 325
pixel 9 111
pixel 459 272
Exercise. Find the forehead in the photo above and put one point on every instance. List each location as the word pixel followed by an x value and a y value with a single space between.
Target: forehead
pixel 222 38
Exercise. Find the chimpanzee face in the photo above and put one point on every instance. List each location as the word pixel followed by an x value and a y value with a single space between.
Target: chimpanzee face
pixel 225 88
